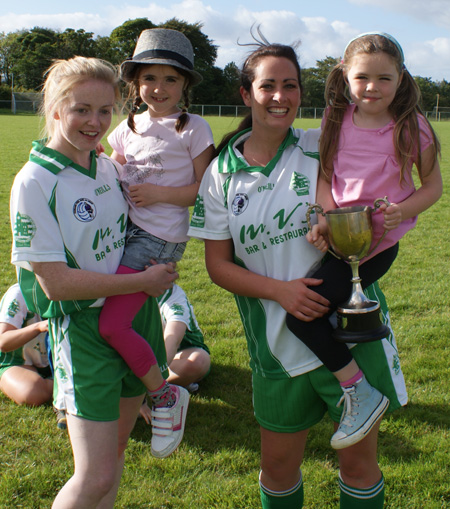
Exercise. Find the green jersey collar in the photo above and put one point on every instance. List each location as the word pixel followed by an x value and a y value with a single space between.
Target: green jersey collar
pixel 54 161
pixel 231 161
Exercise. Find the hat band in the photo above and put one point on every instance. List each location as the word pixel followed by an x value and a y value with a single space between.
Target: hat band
pixel 162 53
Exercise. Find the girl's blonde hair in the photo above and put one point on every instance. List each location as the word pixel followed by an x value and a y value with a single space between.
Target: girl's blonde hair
pixel 134 97
pixel 404 108
pixel 63 75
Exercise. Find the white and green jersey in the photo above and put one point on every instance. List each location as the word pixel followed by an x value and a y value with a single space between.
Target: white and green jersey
pixel 14 311
pixel 263 210
pixel 174 306
pixel 57 216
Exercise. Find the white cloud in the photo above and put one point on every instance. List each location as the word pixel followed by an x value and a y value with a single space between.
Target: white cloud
pixel 192 11
pixel 434 11
pixel 89 22
pixel 320 36
pixel 430 59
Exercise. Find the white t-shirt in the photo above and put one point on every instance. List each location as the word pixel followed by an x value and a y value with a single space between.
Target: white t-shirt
pixel 55 218
pixel 14 311
pixel 263 210
pixel 174 306
pixel 161 156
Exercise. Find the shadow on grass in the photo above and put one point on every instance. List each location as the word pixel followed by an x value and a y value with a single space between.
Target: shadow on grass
pixel 220 415
pixel 402 432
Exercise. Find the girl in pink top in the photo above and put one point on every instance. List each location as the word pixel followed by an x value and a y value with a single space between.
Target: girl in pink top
pixel 164 152
pixel 367 149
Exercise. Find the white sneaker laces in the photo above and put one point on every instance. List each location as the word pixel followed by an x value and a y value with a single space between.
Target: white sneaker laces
pixel 349 408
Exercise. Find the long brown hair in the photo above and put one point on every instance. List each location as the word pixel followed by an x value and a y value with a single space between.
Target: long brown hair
pixel 404 108
pixel 134 97
pixel 248 72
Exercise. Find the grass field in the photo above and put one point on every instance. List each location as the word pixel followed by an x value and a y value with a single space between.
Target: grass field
pixel 217 464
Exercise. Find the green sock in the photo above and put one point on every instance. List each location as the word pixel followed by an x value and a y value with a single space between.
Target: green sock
pixel 362 498
pixel 289 499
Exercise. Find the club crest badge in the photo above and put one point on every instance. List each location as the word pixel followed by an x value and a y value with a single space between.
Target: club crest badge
pixel 240 203
pixel 300 184
pixel 24 230
pixel 84 210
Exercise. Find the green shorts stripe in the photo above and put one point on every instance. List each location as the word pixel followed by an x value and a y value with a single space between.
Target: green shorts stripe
pixel 90 376
pixel 293 404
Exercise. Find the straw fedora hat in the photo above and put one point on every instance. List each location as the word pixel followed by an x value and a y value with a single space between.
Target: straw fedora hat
pixel 162 46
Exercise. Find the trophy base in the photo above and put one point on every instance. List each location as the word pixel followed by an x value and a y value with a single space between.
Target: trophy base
pixel 360 325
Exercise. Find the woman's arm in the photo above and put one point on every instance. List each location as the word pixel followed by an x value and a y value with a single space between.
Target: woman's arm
pixel 143 195
pixel 60 282
pixel 118 157
pixel 294 296
pixel 318 236
pixel 12 338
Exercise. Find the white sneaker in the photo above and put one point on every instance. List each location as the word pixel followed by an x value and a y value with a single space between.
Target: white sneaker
pixel 363 407
pixel 168 424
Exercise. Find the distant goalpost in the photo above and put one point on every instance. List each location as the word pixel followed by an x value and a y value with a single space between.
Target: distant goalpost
pixel 25 101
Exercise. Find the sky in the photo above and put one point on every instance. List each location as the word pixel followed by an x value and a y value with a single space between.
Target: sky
pixel 323 27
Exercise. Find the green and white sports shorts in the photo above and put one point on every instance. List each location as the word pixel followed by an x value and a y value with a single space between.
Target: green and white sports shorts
pixel 90 376
pixel 288 405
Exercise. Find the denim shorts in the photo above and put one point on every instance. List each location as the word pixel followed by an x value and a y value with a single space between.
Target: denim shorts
pixel 141 247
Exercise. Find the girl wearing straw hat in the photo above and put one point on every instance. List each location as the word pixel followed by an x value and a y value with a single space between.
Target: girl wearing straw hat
pixel 164 152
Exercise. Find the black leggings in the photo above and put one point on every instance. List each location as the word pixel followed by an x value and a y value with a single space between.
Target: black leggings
pixel 337 287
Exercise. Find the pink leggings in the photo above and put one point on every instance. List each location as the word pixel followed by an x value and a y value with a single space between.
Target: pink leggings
pixel 115 326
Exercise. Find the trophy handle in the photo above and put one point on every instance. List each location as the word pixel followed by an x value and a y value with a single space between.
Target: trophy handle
pixel 378 201
pixel 308 213
pixel 308 220
pixel 376 205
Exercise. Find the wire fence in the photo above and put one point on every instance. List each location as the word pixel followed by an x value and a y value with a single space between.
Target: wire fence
pixel 29 103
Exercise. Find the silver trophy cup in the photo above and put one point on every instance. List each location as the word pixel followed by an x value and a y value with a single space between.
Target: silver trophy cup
pixel 350 235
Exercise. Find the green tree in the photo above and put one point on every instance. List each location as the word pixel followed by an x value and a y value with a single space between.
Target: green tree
pixel 231 83
pixel 210 90
pixel 76 43
pixel 9 48
pixel 32 55
pixel 105 51
pixel 31 52
pixel 314 80
pixel 205 53
pixel 123 38
pixel 444 94
pixel 428 89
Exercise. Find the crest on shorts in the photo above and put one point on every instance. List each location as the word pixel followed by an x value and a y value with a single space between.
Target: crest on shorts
pixel 84 210
pixel 240 203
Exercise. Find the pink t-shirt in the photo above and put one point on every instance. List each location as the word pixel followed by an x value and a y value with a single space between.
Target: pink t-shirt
pixel 162 156
pixel 365 168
